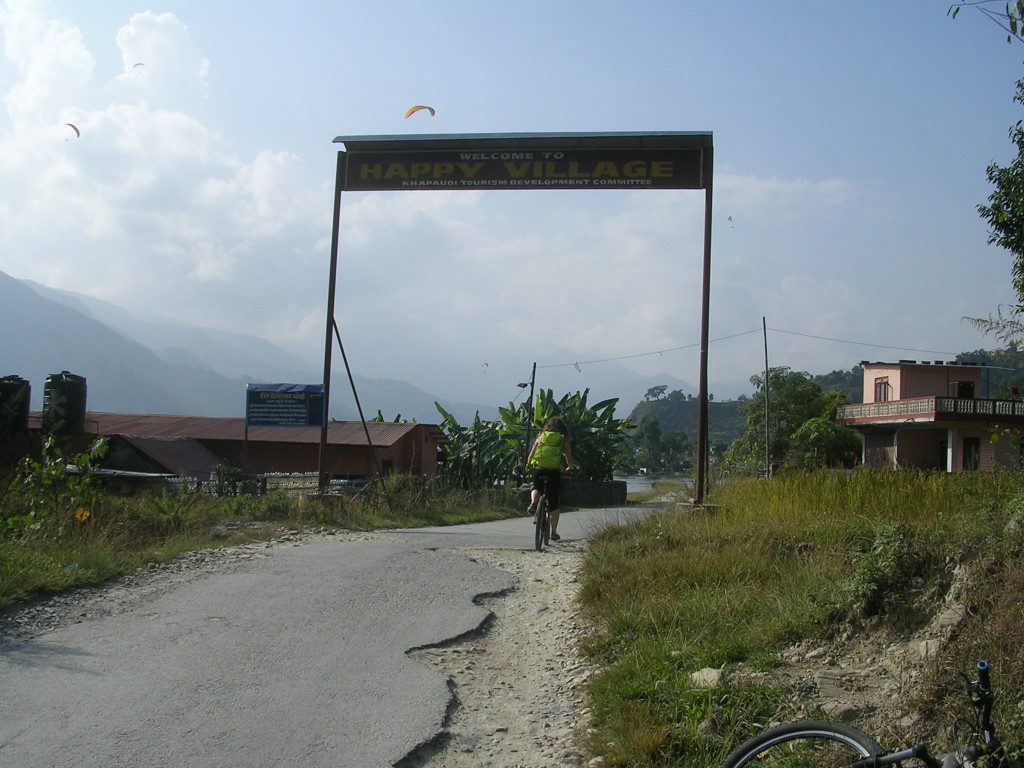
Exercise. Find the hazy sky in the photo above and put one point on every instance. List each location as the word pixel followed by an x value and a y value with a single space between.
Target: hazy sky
pixel 851 141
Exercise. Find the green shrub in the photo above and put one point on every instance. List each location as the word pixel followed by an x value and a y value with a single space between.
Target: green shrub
pixel 51 495
pixel 885 572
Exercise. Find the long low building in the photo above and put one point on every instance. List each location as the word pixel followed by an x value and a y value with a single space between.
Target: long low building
pixel 197 446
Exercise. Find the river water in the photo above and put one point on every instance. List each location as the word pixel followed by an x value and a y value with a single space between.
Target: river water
pixel 639 483
pixel 636 483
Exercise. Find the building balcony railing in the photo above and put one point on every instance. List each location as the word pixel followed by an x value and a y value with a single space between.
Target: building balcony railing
pixel 934 406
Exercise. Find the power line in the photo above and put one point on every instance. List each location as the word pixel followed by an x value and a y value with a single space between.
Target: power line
pixel 864 343
pixel 578 363
pixel 644 354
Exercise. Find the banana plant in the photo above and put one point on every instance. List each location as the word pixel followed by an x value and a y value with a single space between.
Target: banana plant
pixel 476 456
pixel 492 452
pixel 597 436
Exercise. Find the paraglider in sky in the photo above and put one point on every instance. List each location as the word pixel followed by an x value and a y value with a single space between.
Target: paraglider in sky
pixel 484 367
pixel 74 128
pixel 137 64
pixel 416 108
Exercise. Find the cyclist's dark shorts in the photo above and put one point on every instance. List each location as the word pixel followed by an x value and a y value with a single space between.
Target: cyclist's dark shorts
pixel 550 482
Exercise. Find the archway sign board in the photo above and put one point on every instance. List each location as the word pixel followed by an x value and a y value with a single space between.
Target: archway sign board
pixel 670 160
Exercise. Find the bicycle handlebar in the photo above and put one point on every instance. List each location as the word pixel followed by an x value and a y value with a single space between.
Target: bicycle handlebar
pixel 983 676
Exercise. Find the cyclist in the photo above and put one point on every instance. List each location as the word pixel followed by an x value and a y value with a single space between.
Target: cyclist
pixel 550 454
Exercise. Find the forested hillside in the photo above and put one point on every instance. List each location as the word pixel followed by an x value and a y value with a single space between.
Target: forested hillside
pixel 677 412
pixel 1005 369
pixel 850 383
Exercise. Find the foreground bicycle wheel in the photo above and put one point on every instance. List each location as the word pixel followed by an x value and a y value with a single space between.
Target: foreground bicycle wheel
pixel 804 744
pixel 540 524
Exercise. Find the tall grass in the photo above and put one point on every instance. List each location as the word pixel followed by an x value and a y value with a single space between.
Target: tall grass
pixel 777 561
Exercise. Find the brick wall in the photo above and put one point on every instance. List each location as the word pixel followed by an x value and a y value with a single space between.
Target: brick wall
pixel 922 449
pixel 877 449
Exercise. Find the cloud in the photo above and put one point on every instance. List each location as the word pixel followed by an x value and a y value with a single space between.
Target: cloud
pixel 153 208
pixel 161 61
pixel 751 199
pixel 578 281
pixel 150 207
pixel 51 58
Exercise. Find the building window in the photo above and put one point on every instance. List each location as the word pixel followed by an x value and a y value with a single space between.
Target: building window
pixel 882 390
pixel 964 389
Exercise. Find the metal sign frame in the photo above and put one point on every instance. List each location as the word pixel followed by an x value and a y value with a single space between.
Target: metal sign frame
pixel 669 160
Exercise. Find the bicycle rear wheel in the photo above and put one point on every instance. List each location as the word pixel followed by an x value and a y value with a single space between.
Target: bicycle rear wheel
pixel 540 524
pixel 805 744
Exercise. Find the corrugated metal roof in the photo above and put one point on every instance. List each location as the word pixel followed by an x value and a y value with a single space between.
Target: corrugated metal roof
pixel 179 455
pixel 233 428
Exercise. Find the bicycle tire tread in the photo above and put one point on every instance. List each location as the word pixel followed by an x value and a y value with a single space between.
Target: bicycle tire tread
pixel 748 751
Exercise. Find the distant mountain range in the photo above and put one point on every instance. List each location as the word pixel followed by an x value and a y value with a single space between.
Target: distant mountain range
pixel 136 365
pixel 152 364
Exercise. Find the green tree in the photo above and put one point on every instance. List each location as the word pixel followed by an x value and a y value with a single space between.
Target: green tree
pixel 1005 217
pixel 1005 210
pixel 677 452
pixel 655 393
pixel 820 442
pixel 1007 14
pixel 677 396
pixel 794 399
pixel 648 432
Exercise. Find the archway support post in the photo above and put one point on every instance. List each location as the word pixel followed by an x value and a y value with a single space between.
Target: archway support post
pixel 700 480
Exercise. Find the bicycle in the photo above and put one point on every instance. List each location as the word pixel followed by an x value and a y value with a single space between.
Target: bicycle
pixel 808 743
pixel 542 523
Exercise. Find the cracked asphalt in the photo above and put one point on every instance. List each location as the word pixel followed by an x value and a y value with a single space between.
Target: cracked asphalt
pixel 293 655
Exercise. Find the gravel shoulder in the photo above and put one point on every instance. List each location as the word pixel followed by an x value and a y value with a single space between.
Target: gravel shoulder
pixel 518 689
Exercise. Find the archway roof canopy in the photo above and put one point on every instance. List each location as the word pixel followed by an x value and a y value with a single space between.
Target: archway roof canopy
pixel 498 141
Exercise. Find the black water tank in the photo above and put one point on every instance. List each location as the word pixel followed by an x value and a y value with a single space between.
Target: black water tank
pixel 14 402
pixel 64 404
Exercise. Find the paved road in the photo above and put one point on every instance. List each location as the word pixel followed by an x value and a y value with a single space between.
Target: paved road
pixel 296 659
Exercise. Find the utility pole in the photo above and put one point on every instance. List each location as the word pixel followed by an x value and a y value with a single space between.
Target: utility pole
pixel 767 439
pixel 529 419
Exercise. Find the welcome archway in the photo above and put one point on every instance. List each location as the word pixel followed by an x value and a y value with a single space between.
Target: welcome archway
pixel 520 161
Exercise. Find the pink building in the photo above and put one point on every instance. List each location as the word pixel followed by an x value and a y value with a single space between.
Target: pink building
pixel 933 415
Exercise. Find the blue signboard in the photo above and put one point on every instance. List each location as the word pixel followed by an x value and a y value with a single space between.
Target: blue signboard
pixel 284 405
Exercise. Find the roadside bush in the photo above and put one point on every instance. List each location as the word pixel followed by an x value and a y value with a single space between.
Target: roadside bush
pixel 887 571
pixel 53 494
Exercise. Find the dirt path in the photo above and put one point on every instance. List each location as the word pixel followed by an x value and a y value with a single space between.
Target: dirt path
pixel 519 687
